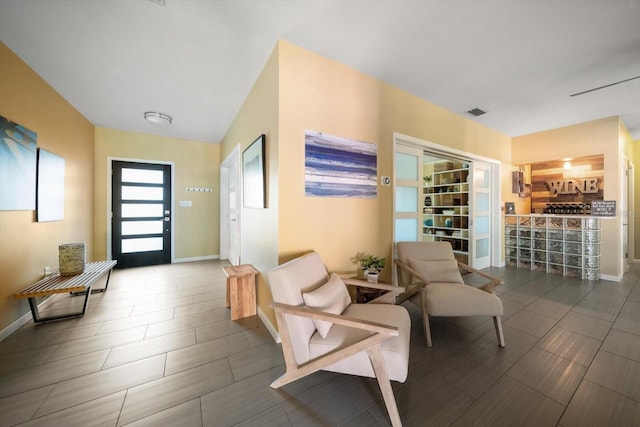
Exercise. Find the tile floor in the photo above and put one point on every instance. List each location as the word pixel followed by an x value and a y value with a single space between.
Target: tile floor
pixel 159 348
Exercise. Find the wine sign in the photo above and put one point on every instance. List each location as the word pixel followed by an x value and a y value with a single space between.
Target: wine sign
pixel 573 186
pixel 578 180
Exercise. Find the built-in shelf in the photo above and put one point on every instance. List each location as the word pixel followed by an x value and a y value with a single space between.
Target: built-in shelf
pixel 446 207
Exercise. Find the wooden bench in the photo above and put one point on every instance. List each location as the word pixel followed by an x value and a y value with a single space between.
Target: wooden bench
pixel 78 284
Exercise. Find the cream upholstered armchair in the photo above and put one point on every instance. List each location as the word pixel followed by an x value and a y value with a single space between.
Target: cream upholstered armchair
pixel 321 329
pixel 432 277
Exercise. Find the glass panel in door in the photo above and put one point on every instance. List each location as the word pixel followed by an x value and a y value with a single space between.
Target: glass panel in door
pixel 480 256
pixel 408 177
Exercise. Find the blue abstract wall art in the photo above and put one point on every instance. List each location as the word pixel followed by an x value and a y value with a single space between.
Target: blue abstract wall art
pixel 339 167
pixel 17 167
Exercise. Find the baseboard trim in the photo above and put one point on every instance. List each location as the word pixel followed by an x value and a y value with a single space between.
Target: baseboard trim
pixel 610 278
pixel 24 319
pixel 198 258
pixel 267 323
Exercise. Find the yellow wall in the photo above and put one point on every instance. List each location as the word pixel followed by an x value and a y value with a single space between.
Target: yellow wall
pixel 299 90
pixel 323 95
pixel 196 164
pixel 626 142
pixel 595 137
pixel 27 246
pixel 522 204
pixel 407 114
pixel 259 227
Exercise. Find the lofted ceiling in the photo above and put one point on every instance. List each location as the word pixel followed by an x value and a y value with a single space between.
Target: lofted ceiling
pixel 196 60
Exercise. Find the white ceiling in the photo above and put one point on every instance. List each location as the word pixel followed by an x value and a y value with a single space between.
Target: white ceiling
pixel 197 60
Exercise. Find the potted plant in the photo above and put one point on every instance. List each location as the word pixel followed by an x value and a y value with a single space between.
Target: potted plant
pixel 372 266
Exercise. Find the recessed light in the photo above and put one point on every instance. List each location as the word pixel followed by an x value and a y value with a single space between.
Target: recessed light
pixel 158 118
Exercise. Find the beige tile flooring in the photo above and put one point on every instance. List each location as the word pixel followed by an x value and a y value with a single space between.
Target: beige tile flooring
pixel 159 348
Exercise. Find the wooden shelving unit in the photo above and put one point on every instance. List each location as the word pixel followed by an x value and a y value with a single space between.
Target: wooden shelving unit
pixel 446 207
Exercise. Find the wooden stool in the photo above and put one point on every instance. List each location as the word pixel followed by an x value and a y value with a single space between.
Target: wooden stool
pixel 241 290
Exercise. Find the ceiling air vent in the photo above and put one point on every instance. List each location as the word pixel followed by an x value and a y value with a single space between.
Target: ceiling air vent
pixel 476 112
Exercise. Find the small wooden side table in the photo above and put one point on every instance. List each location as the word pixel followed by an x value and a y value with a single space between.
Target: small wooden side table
pixel 241 290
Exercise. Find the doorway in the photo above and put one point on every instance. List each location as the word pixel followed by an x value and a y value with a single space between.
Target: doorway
pixel 443 194
pixel 230 208
pixel 627 201
pixel 449 209
pixel 140 213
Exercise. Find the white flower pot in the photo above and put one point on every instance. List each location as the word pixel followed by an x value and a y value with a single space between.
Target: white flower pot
pixel 372 277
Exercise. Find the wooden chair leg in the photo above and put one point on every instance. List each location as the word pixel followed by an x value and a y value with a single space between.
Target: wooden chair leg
pixel 427 329
pixel 425 318
pixel 377 360
pixel 498 325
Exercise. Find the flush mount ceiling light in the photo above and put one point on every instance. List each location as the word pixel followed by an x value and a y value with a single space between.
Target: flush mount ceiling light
pixel 157 118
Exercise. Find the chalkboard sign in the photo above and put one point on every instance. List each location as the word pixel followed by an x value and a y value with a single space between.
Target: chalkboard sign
pixel 603 207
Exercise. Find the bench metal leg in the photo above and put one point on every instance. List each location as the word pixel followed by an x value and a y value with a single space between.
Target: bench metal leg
pixel 95 291
pixel 106 285
pixel 36 314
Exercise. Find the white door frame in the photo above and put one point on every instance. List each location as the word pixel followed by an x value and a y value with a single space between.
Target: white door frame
pixel 627 201
pixel 496 189
pixel 631 202
pixel 475 190
pixel 229 165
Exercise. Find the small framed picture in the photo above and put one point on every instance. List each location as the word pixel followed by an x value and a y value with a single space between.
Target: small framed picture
pixel 509 208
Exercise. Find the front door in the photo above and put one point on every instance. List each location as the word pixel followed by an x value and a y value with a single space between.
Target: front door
pixel 141 214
